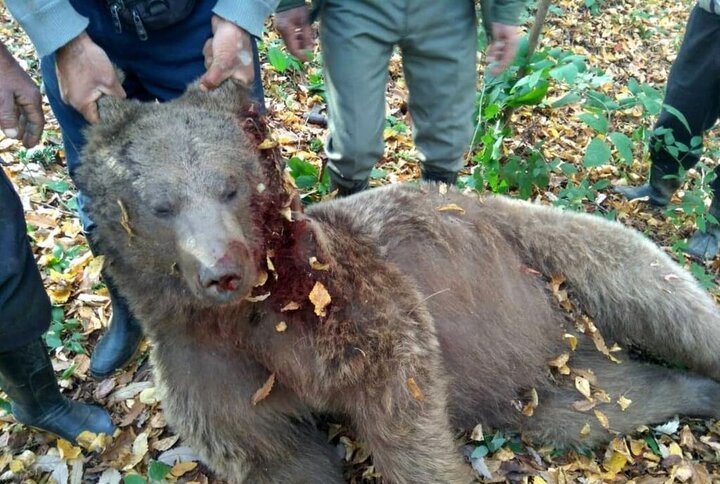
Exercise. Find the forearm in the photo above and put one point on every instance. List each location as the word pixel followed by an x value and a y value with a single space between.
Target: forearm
pixel 508 12
pixel 289 4
pixel 250 15
pixel 50 24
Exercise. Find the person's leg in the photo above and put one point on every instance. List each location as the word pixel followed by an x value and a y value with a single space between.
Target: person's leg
pixel 692 89
pixel 439 54
pixel 356 39
pixel 26 374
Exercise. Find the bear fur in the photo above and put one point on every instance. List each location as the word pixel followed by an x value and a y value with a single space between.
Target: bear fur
pixel 438 318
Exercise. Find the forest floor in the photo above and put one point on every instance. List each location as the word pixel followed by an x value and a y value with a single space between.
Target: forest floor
pixel 625 39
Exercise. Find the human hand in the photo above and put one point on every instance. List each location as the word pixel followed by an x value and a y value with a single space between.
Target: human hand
pixel 85 73
pixel 503 47
pixel 228 55
pixel 294 27
pixel 21 115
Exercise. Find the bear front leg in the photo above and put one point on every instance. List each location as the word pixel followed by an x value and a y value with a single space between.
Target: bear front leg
pixel 210 403
pixel 406 424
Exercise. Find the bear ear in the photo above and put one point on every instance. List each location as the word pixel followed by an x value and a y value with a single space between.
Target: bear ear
pixel 230 96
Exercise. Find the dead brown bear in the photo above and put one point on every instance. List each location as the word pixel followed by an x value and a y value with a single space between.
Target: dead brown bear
pixel 434 321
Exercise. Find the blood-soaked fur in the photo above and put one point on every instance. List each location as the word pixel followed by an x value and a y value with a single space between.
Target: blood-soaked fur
pixel 438 318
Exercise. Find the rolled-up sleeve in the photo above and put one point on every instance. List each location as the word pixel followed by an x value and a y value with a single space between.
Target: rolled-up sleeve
pixel 248 14
pixel 50 24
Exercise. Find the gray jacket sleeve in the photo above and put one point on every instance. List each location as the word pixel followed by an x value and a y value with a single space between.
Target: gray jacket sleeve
pixel 50 24
pixel 248 14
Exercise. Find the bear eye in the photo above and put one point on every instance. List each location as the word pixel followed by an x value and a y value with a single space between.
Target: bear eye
pixel 163 211
pixel 230 195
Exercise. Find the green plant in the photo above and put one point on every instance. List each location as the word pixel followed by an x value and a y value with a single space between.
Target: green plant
pixel 65 333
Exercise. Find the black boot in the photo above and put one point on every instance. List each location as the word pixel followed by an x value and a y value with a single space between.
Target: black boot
pixel 346 188
pixel 119 344
pixel 658 190
pixel 705 244
pixel 27 377
pixel 440 176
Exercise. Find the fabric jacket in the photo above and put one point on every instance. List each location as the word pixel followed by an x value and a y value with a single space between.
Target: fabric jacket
pixel 502 11
pixel 50 24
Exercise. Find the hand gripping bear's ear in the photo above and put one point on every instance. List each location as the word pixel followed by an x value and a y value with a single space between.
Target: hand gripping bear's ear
pixel 231 96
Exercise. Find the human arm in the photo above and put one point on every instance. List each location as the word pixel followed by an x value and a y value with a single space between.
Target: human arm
pixel 21 115
pixel 228 53
pixel 505 17
pixel 292 20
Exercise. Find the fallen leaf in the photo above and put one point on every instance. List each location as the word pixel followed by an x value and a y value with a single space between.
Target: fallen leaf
pixel 477 433
pixel 603 419
pixel 317 265
pixel 584 405
pixel 571 340
pixel 286 213
pixel 267 144
pixel 181 468
pixel 583 386
pixel 281 327
pixel 585 430
pixel 166 443
pixel 415 389
pixel 263 392
pixel 320 298
pixel 124 219
pixel 291 306
pixel 450 207
pixel 67 450
pixel 560 361
pixel 261 279
pixel 624 402
pixel 259 298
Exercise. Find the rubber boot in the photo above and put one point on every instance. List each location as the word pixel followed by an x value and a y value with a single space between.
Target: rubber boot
pixel 658 190
pixel 348 187
pixel 27 376
pixel 705 244
pixel 119 344
pixel 439 176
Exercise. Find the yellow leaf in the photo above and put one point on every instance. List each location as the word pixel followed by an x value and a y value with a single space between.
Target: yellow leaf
pixel 281 327
pixel 585 431
pixel 450 207
pixel 571 340
pixel 637 447
pixel 560 361
pixel 504 455
pixel 125 219
pixel 286 213
pixel 67 450
pixel 602 418
pixel 317 265
pixel 16 466
pixel 263 392
pixel 270 265
pixel 259 298
pixel 267 144
pixel 624 402
pixel 182 468
pixel 674 449
pixel 291 306
pixel 687 439
pixel 477 433
pixel 261 279
pixel 60 294
pixel 147 396
pixel 615 463
pixel 583 386
pixel 320 298
pixel 93 442
pixel 415 389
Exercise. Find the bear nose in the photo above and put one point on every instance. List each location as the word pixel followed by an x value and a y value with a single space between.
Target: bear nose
pixel 222 281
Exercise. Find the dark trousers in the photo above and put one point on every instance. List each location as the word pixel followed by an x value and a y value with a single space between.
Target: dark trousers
pixel 24 305
pixel 158 68
pixel 693 88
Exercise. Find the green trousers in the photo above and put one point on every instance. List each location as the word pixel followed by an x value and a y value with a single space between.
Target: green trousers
pixel 438 42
